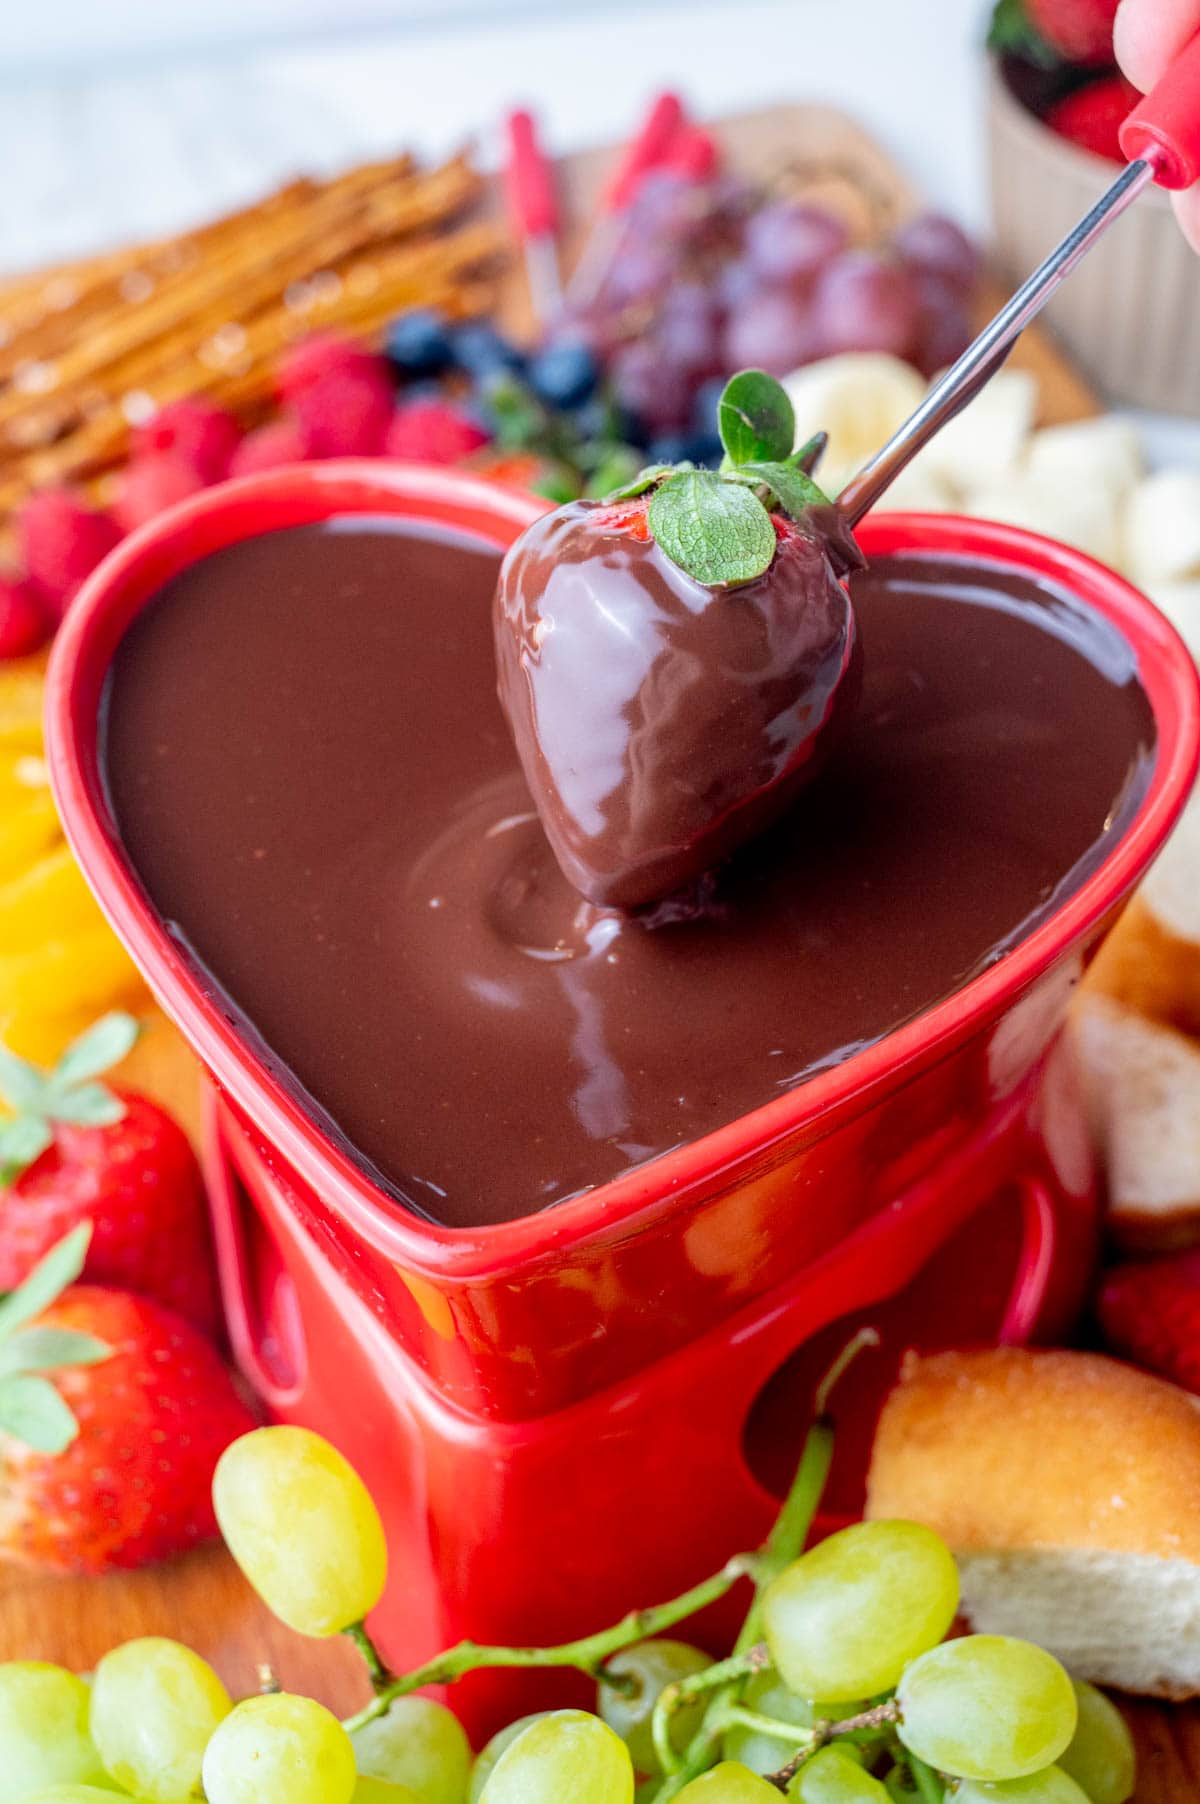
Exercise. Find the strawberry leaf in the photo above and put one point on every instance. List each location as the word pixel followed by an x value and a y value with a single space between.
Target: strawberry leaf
pixel 717 532
pixel 104 1044
pixel 807 456
pixel 31 1411
pixel 755 418
pixel 22 1140
pixel 22 1085
pixel 86 1105
pixel 645 479
pixel 49 1277
pixel 795 491
pixel 49 1349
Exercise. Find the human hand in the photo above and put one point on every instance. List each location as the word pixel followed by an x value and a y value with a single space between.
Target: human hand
pixel 1147 36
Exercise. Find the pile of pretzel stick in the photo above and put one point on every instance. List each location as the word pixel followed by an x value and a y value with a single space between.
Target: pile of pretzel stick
pixel 89 350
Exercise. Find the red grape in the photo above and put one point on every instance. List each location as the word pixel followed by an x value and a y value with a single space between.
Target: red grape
pixel 689 326
pixel 934 244
pixel 771 330
pixel 648 382
pixel 787 242
pixel 640 272
pixel 864 302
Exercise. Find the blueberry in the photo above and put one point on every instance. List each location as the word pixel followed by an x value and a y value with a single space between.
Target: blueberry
pixel 480 350
pixel 704 448
pixel 564 375
pixel 668 448
pixel 602 421
pixel 418 343
pixel 704 405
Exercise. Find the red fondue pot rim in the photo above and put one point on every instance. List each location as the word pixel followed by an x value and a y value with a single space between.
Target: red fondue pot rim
pixel 143 562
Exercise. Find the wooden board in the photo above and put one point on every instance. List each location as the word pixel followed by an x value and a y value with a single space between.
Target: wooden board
pixel 202 1599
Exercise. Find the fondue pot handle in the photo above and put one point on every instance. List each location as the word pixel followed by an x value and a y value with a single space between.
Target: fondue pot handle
pixel 1164 128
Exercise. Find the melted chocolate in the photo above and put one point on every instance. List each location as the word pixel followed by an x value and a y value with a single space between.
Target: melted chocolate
pixel 312 775
pixel 661 724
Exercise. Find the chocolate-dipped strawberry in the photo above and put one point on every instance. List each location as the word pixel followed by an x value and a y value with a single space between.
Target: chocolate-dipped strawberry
pixel 674 660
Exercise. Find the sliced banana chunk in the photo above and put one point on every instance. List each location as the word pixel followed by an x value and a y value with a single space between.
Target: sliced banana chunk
pixel 918 491
pixel 1105 450
pixel 1077 513
pixel 859 398
pixel 1180 602
pixel 1162 528
pixel 983 444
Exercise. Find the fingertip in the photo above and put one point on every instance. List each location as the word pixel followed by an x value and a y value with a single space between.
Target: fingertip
pixel 1149 34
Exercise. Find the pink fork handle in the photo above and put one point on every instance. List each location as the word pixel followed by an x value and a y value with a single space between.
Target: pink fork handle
pixel 530 185
pixel 646 152
pixel 1164 128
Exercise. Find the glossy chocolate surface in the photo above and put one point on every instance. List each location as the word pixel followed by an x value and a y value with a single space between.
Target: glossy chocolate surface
pixel 661 724
pixel 312 776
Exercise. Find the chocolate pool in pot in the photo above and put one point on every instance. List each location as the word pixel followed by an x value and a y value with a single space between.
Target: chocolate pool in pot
pixel 311 774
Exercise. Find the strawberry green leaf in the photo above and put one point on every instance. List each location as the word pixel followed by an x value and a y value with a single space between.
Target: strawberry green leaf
pixel 22 1140
pixel 50 1349
pixel 717 532
pixel 755 418
pixel 86 1105
pixel 32 1412
pixel 1013 33
pixel 22 1085
pixel 645 479
pixel 49 1277
pixel 104 1044
pixel 792 488
pixel 808 455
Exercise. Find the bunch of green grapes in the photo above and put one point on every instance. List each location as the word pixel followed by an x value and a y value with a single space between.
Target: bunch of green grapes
pixel 843 1690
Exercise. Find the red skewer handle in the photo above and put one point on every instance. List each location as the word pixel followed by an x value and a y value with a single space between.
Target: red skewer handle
pixel 694 154
pixel 1164 128
pixel 528 181
pixel 645 152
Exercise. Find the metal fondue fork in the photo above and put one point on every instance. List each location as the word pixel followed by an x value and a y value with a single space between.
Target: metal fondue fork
pixel 1162 136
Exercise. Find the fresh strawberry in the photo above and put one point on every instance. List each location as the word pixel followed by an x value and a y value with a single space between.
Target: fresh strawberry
pixel 61 541
pixel 1151 1313
pixel 153 481
pixel 24 622
pixel 267 447
pixel 1092 116
pixel 345 412
pixel 324 354
pixel 76 1151
pixel 1080 30
pixel 433 432
pixel 198 432
pixel 111 1464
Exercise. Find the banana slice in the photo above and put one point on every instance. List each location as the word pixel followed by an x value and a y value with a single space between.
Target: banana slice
pixel 1077 513
pixel 918 491
pixel 859 398
pixel 982 445
pixel 1105 451
pixel 1180 602
pixel 1162 528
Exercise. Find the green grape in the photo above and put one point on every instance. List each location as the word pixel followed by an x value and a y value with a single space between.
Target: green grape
pixel 44 1737
pixel 769 1696
pixel 71 1794
pixel 301 1525
pixel 900 1786
pixel 830 1778
pixel 486 1759
pixel 279 1749
pixel 568 1754
pixel 845 1619
pixel 1100 1757
pixel 418 1743
pixel 154 1706
pixel 987 1707
pixel 654 1665
pixel 381 1791
pixel 728 1783
pixel 1050 1786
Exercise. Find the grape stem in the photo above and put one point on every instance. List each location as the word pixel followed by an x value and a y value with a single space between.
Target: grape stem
pixel 373 1660
pixel 674 1696
pixel 588 1653
pixel 880 1716
pixel 928 1784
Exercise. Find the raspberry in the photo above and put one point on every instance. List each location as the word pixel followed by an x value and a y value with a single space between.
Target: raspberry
pixel 433 432
pixel 267 447
pixel 61 541
pixel 24 622
pixel 320 355
pixel 197 432
pixel 344 412
pixel 152 483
